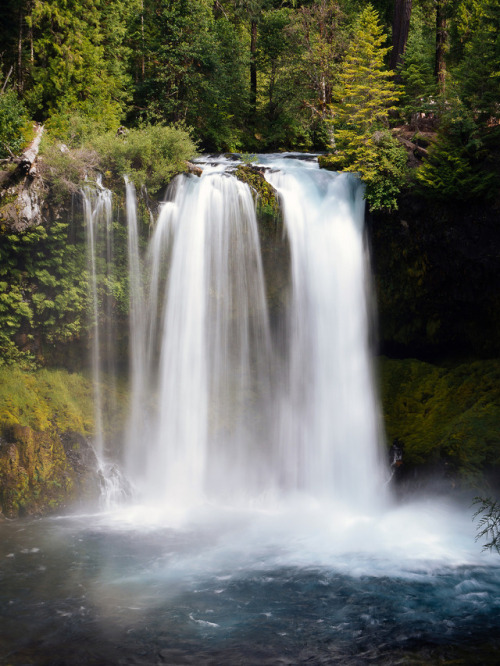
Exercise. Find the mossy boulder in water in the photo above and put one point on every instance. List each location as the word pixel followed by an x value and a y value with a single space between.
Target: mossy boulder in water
pixel 447 417
pixel 266 197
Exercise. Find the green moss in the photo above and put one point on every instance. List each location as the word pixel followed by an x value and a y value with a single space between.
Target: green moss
pixel 38 410
pixel 267 203
pixel 444 414
pixel 45 400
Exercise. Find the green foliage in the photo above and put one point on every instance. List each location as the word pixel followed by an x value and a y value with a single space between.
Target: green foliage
pixel 489 523
pixel 366 95
pixel 417 70
pixel 73 67
pixel 149 156
pixel 13 124
pixel 478 74
pixel 444 414
pixel 43 291
pixel 463 162
pixel 459 170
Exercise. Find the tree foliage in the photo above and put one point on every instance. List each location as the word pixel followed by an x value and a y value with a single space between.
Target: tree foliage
pixel 258 74
pixel 13 121
pixel 366 95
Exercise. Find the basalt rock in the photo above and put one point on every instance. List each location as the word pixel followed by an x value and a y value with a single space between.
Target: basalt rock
pixel 436 271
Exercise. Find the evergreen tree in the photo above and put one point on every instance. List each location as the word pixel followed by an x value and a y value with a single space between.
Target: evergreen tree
pixel 366 95
pixel 76 63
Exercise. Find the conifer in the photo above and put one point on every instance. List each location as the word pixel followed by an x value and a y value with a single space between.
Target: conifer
pixel 366 95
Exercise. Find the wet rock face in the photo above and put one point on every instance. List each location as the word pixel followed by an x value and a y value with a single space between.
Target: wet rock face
pixel 40 473
pixel 436 269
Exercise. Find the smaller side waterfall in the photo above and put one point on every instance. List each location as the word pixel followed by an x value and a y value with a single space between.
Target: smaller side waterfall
pixel 97 210
pixel 98 221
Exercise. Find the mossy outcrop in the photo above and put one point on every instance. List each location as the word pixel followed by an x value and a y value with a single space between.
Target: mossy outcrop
pixel 46 424
pixel 446 416
pixel 266 197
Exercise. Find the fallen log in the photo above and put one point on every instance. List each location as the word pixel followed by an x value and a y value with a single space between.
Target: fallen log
pixel 28 157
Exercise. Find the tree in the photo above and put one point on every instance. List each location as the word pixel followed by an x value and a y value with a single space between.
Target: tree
pixel 321 41
pixel 400 29
pixel 488 512
pixel 367 94
pixel 193 71
pixel 417 68
pixel 478 74
pixel 76 62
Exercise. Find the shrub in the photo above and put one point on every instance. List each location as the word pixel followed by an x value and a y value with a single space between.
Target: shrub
pixel 13 124
pixel 149 156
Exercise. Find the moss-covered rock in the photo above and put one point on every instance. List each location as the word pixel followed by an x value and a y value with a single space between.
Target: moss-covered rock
pixel 447 417
pixel 266 197
pixel 46 424
pixel 35 475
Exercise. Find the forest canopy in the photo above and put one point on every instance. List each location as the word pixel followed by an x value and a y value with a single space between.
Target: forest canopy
pixel 260 75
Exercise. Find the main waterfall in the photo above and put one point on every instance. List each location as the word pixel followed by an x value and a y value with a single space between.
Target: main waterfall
pixel 223 409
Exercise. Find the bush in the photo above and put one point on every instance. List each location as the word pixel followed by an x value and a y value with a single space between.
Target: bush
pixel 13 124
pixel 149 156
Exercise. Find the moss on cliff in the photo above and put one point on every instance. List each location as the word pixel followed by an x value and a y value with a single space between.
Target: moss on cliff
pixel 46 461
pixel 446 416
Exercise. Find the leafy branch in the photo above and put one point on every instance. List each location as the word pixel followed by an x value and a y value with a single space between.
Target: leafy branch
pixel 489 523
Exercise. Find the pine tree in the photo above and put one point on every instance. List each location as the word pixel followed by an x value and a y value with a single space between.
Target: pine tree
pixel 366 95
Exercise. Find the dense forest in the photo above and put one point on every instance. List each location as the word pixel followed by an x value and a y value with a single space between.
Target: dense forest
pixel 260 75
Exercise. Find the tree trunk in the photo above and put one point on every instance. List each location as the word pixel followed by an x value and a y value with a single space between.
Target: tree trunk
pixel 253 66
pixel 20 51
pixel 441 38
pixel 400 29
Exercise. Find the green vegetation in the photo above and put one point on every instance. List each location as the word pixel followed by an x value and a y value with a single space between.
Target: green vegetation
pixel 149 156
pixel 365 97
pixel 46 400
pixel 488 526
pixel 43 292
pixel 444 415
pixel 14 126
pixel 257 75
pixel 35 408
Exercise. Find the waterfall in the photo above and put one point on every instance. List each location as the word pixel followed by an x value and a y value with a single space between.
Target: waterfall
pixel 98 221
pixel 222 407
pixel 207 322
pixel 328 429
pixel 97 211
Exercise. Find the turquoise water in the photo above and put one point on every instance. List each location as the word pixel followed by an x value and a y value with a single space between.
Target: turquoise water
pixel 236 588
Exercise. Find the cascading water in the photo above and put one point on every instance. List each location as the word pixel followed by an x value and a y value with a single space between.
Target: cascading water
pixel 97 211
pixel 233 419
pixel 207 321
pixel 98 222
pixel 329 432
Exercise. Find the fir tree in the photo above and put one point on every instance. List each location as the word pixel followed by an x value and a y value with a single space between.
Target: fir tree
pixel 367 94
